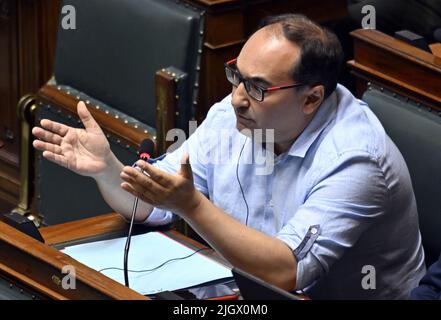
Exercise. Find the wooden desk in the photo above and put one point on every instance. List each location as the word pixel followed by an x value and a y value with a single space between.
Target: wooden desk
pixel 37 268
pixel 396 65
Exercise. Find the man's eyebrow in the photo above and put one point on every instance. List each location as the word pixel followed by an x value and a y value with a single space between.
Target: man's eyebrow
pixel 258 80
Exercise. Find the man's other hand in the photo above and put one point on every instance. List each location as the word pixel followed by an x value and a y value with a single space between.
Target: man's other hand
pixel 175 193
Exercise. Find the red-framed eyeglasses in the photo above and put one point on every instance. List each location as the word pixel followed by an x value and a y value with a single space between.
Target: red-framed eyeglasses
pixel 254 90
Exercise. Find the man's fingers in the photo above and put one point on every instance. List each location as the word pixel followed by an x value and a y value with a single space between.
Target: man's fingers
pixel 129 179
pixel 56 158
pixel 46 135
pixel 156 174
pixel 86 118
pixel 54 127
pixel 129 188
pixel 138 192
pixel 126 177
pixel 143 180
pixel 44 146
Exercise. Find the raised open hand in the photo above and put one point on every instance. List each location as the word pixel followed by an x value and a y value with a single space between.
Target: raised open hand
pixel 84 151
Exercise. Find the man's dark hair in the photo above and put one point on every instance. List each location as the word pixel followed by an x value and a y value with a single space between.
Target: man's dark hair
pixel 321 54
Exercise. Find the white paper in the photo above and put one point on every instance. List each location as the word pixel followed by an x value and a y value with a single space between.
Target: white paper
pixel 148 251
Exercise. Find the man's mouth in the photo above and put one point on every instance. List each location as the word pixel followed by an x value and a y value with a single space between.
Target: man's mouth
pixel 243 118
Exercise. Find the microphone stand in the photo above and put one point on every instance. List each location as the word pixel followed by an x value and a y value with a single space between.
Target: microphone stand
pixel 146 148
pixel 127 247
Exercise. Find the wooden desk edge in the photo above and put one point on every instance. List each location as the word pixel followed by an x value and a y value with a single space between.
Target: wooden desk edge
pixel 397 47
pixel 82 229
pixel 17 245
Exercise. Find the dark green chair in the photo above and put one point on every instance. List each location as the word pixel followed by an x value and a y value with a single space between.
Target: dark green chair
pixel 416 130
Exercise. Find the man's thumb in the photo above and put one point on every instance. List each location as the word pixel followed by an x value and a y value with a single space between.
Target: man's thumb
pixel 86 118
pixel 185 170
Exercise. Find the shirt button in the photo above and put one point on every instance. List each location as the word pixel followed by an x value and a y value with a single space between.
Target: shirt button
pixel 313 230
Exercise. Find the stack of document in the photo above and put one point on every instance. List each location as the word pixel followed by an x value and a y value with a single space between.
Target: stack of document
pixel 148 252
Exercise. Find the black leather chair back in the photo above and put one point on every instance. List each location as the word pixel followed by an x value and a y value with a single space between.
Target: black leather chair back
pixel 117 47
pixel 417 133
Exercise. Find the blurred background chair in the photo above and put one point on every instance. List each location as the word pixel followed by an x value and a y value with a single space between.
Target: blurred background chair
pixel 416 130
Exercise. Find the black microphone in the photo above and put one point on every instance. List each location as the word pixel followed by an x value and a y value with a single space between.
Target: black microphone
pixel 146 148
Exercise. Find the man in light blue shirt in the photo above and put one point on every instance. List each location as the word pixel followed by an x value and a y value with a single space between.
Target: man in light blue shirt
pixel 340 198
pixel 321 201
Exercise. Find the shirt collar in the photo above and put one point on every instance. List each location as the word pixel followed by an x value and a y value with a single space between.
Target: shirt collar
pixel 320 121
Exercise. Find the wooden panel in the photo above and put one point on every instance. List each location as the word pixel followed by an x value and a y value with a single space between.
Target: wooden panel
pixel 224 29
pixel 37 32
pixel 396 65
pixel 9 181
pixel 213 83
pixel 216 5
pixel 27 41
pixel 317 10
pixel 8 86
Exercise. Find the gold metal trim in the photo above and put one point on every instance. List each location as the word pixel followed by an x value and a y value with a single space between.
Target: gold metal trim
pixel 25 110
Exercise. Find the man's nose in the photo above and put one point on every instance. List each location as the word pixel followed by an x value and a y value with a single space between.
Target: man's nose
pixel 240 97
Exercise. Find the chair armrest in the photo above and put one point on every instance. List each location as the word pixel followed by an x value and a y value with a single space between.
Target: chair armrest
pixel 172 110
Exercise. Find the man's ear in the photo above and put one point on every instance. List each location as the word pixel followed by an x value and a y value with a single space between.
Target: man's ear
pixel 313 99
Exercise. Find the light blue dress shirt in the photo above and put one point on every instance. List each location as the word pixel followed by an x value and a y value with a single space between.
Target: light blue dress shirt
pixel 341 198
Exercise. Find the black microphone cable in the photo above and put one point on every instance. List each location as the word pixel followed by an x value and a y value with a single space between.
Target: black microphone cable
pixel 159 266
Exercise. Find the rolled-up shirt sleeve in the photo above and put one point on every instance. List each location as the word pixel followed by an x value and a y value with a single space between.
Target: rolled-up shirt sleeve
pixel 345 199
